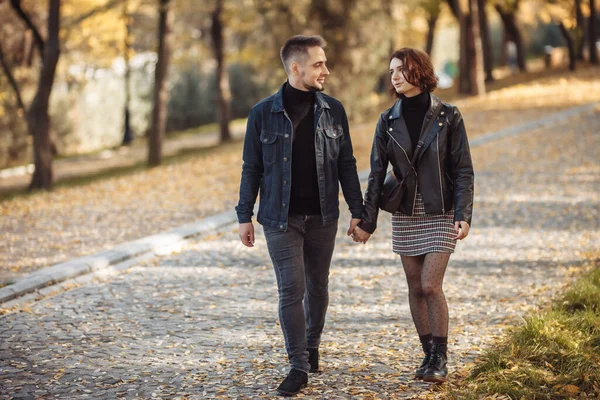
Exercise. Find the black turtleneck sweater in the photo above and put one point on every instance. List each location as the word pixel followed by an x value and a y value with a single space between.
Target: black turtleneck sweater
pixel 414 110
pixel 299 106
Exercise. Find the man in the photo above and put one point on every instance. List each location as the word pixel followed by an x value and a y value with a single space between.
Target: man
pixel 298 151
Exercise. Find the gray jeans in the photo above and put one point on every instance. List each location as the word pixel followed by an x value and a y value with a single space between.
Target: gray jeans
pixel 301 258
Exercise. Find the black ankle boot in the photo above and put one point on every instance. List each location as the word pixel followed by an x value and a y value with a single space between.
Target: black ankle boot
pixel 420 372
pixel 437 371
pixel 313 359
pixel 292 384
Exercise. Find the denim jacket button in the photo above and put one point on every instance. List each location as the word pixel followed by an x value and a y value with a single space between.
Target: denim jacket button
pixel 284 158
pixel 286 136
pixel 390 129
pixel 280 226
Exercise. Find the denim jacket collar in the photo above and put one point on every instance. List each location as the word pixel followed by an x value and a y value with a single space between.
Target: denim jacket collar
pixel 278 100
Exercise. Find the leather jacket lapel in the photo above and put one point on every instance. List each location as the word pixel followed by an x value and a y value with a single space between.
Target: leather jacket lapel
pixel 432 125
pixel 399 131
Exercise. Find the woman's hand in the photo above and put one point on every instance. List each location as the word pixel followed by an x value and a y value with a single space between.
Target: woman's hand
pixel 462 229
pixel 360 236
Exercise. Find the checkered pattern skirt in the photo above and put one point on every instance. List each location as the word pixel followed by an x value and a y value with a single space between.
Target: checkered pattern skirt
pixel 423 233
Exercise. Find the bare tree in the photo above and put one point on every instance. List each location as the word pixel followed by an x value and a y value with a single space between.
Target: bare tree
pixel 16 4
pixel 581 31
pixel 222 77
pixel 476 73
pixel 486 42
pixel 507 11
pixel 11 79
pixel 37 117
pixel 570 45
pixel 432 8
pixel 592 33
pixel 471 78
pixel 127 132
pixel 159 114
pixel 464 84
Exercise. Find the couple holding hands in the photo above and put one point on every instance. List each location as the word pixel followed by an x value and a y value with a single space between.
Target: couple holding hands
pixel 298 152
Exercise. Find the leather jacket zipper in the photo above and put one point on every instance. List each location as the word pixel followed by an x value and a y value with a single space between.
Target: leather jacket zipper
pixel 407 159
pixel 413 168
pixel 440 172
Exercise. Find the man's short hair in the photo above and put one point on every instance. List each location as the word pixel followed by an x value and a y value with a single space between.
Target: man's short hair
pixel 296 49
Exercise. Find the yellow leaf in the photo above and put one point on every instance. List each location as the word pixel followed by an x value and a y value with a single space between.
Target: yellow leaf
pixel 571 389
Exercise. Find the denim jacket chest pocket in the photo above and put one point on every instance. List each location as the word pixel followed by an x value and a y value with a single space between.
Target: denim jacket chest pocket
pixel 270 146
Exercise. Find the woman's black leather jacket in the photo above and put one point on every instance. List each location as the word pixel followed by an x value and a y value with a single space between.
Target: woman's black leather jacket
pixel 443 170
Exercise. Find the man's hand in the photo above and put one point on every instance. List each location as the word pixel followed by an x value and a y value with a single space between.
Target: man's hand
pixel 353 223
pixel 462 229
pixel 360 236
pixel 247 234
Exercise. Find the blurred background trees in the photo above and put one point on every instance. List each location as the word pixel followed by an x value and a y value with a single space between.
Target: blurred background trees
pixel 117 80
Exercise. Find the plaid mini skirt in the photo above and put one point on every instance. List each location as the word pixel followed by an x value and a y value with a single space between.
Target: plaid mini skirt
pixel 423 233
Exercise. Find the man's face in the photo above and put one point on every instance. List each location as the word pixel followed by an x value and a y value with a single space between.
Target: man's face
pixel 313 72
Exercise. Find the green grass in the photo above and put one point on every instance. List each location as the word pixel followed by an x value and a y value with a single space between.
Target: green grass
pixel 555 354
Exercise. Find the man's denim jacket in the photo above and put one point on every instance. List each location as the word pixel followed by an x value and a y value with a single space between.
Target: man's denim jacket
pixel 268 162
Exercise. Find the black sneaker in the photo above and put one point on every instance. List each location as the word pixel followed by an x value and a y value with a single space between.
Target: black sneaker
pixel 437 370
pixel 313 359
pixel 292 384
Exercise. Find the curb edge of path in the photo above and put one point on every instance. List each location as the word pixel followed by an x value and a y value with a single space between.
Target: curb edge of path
pixel 156 244
pixel 141 248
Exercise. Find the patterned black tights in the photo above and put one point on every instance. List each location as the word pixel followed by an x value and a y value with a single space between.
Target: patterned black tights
pixel 425 275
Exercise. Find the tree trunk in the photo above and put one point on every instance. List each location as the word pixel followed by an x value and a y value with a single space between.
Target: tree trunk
pixel 28 49
pixel 570 45
pixel 592 33
pixel 513 32
pixel 486 42
pixel 431 21
pixel 471 55
pixel 464 84
pixel 223 90
pixel 127 133
pixel 477 75
pixel 38 120
pixel 16 4
pixel 581 31
pixel 11 79
pixel 159 114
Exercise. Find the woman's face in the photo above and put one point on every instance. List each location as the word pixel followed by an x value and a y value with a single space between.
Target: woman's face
pixel 399 81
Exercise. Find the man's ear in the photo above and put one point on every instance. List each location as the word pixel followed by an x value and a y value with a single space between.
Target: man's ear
pixel 295 68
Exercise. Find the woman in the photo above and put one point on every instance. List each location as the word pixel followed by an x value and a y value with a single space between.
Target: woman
pixel 426 143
